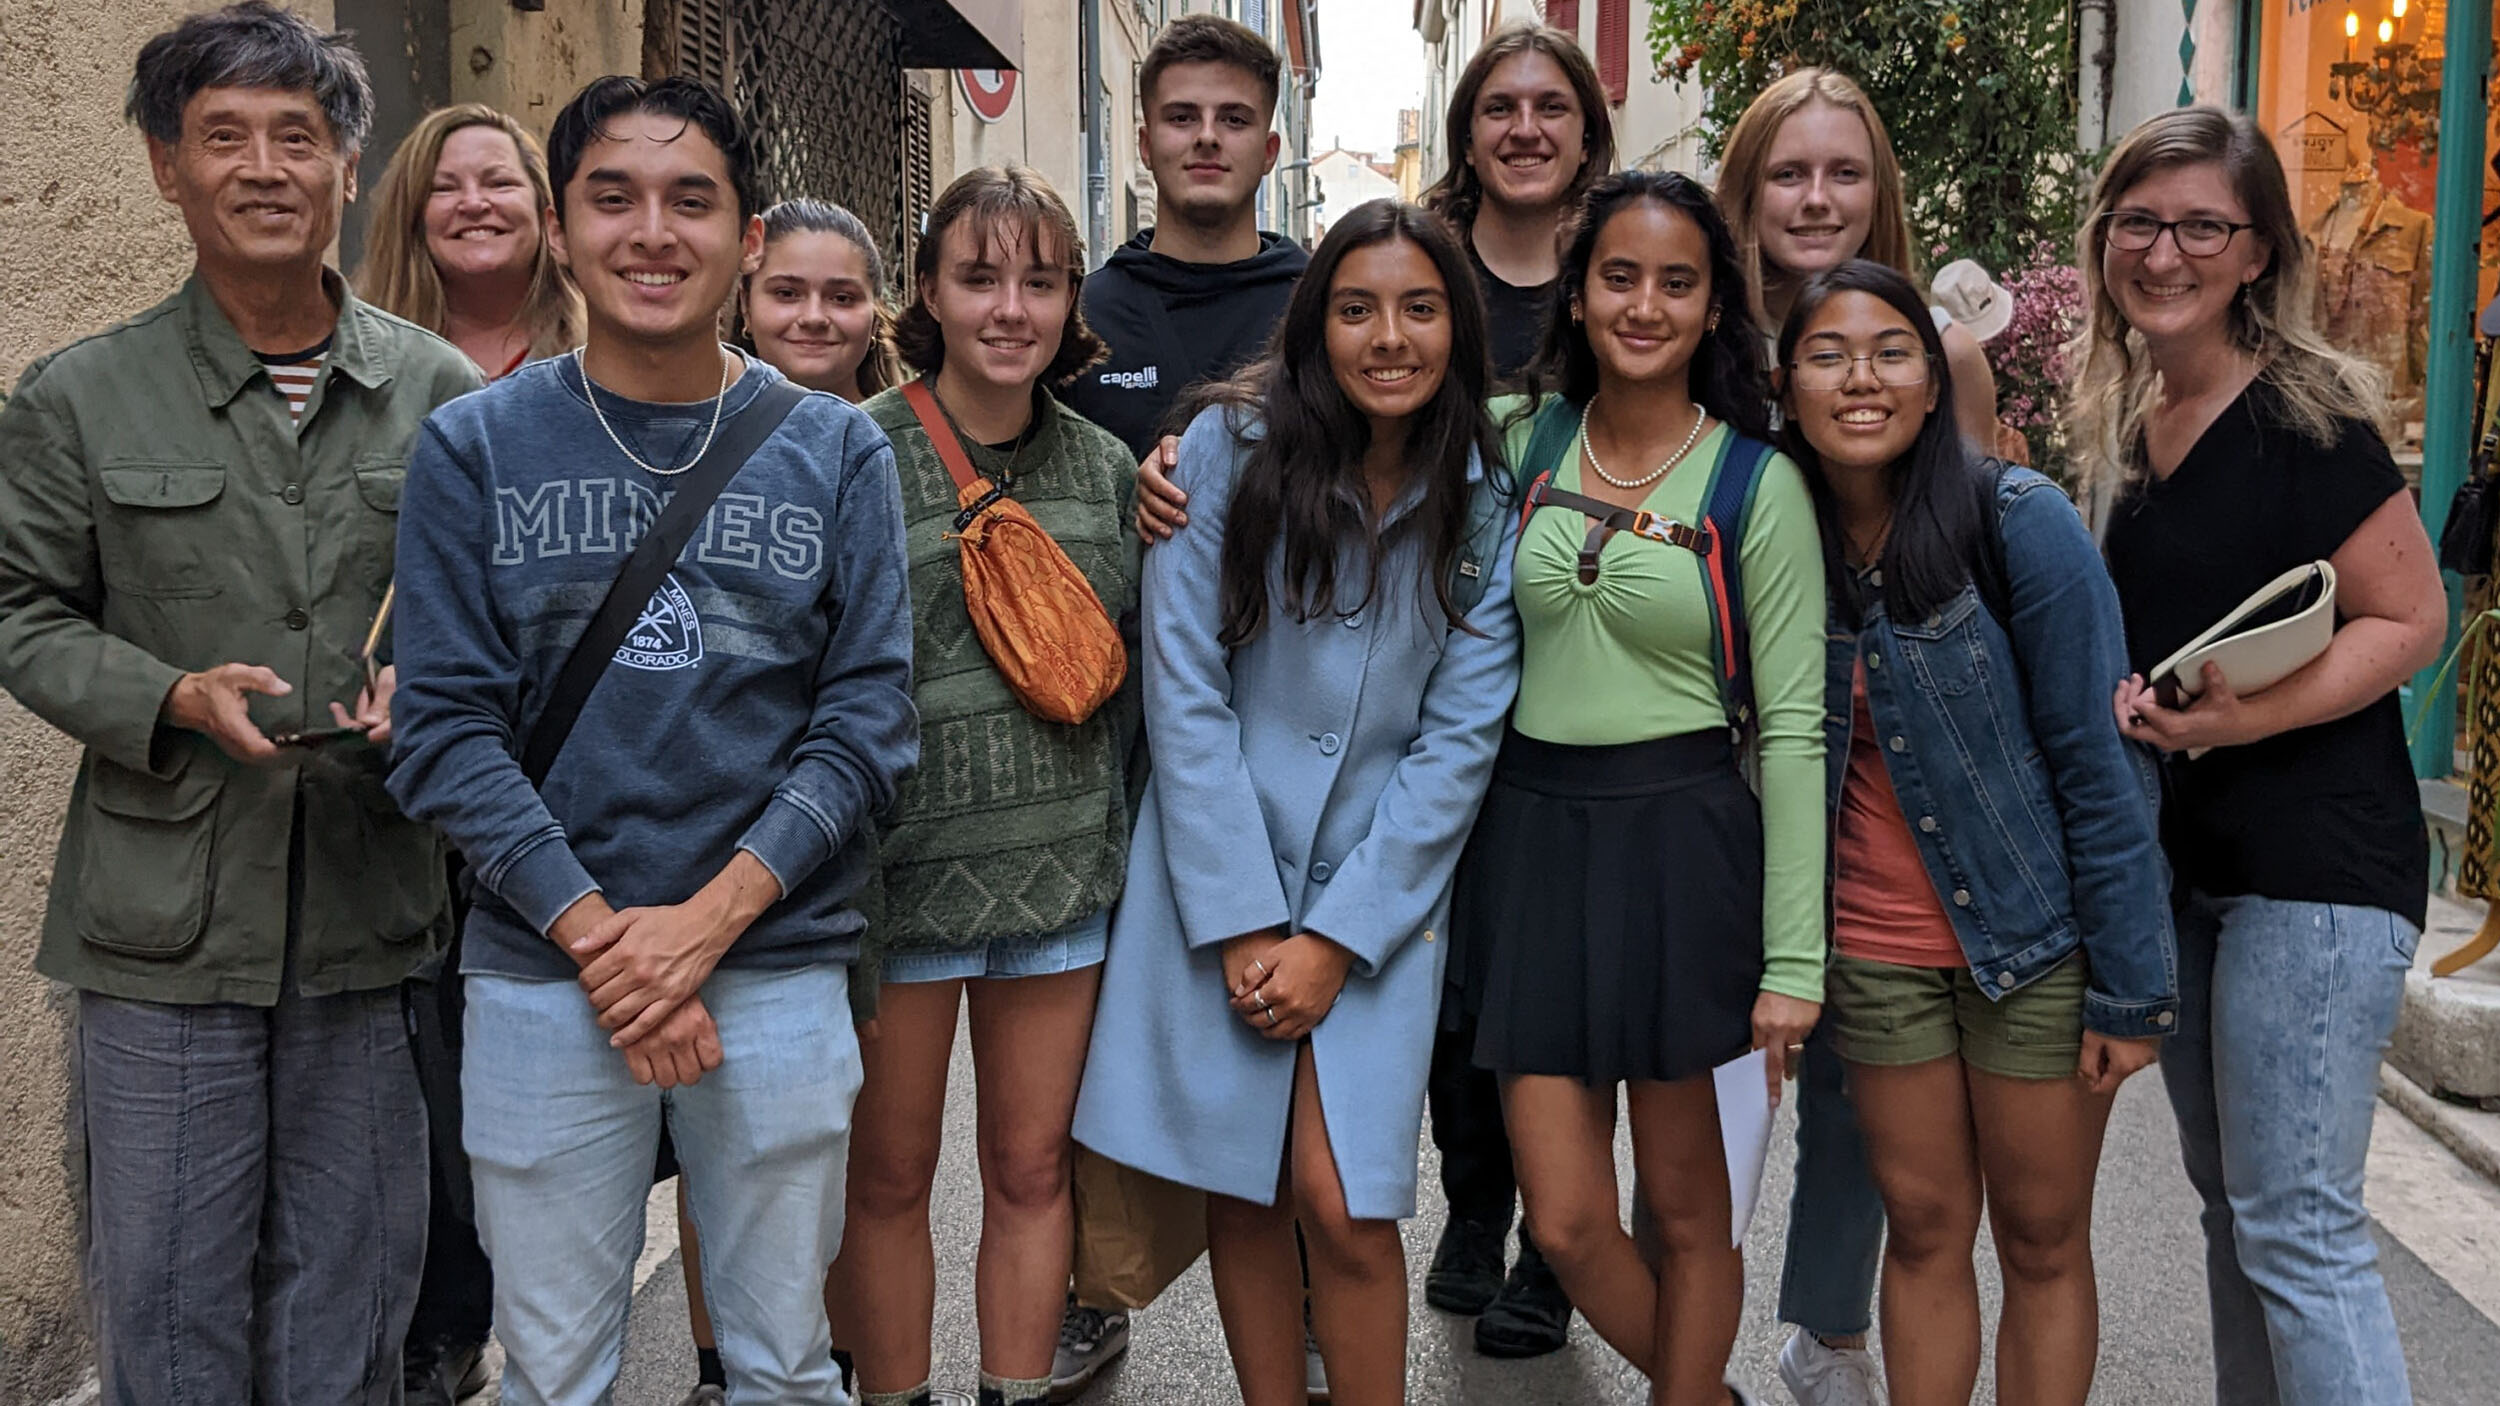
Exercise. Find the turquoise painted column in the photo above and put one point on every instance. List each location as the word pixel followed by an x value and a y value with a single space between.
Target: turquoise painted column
pixel 2448 407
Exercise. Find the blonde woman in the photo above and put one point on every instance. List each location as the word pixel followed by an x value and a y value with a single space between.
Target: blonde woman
pixel 2240 444
pixel 458 243
pixel 1808 182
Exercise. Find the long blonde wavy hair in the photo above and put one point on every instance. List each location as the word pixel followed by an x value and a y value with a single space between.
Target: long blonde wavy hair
pixel 2274 320
pixel 1747 156
pixel 399 276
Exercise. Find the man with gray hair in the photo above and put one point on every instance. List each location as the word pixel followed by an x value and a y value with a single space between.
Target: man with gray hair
pixel 197 516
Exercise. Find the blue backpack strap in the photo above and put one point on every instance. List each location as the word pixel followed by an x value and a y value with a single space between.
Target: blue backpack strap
pixel 1728 508
pixel 1550 435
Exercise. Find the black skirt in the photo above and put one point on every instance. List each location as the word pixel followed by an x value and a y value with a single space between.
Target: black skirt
pixel 1609 910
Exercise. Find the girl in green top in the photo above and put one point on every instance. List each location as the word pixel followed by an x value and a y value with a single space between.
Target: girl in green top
pixel 1640 916
pixel 1003 853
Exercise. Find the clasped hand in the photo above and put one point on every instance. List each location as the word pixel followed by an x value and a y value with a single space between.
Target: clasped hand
pixel 2215 717
pixel 1283 987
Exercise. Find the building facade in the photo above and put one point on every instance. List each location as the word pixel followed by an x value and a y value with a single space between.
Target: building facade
pixel 1657 120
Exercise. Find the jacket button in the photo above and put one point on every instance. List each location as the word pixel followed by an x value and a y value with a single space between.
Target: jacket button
pixel 1427 934
pixel 1329 743
pixel 1899 744
pixel 1321 871
pixel 297 620
pixel 1874 659
pixel 1961 899
pixel 293 493
pixel 1927 824
pixel 1354 621
pixel 2005 981
pixel 2165 1020
pixel 1875 578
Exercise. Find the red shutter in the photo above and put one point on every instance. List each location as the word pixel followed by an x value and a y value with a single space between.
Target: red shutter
pixel 1614 46
pixel 1564 15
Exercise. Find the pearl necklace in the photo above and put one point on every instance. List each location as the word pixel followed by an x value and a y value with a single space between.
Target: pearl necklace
pixel 1699 418
pixel 590 389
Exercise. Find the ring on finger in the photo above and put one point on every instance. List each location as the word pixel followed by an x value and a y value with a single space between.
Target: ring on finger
pixel 1261 998
pixel 1262 966
pixel 1271 1014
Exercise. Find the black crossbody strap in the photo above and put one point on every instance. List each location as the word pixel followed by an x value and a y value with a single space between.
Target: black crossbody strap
pixel 646 567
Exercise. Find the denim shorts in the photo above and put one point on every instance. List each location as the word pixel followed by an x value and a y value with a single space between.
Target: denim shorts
pixel 1079 945
pixel 1887 1014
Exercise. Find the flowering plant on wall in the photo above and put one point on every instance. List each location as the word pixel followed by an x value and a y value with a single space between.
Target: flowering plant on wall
pixel 2029 356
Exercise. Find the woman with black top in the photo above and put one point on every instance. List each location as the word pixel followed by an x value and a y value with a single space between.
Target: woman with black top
pixel 2243 445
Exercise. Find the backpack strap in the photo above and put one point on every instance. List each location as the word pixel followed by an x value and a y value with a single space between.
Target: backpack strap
pixel 1550 435
pixel 1727 509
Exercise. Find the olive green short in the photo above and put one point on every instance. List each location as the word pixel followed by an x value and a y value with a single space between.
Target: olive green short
pixel 1885 1014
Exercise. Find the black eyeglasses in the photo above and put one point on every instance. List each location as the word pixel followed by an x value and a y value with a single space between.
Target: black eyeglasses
pixel 2198 238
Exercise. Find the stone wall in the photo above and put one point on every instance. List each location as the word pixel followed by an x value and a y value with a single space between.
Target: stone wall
pixel 530 62
pixel 85 241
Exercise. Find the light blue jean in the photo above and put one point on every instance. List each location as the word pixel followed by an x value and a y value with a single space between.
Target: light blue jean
pixel 2285 1010
pixel 1079 945
pixel 562 1140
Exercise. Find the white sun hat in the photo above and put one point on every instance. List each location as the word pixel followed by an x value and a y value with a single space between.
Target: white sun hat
pixel 1970 297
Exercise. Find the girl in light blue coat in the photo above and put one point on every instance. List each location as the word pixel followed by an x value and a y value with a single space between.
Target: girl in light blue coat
pixel 1328 659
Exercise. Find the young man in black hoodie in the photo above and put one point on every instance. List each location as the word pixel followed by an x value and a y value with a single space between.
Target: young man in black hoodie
pixel 1192 299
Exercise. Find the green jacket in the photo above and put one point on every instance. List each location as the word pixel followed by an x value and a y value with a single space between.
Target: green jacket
pixel 160 515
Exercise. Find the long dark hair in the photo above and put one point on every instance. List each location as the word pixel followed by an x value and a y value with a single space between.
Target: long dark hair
pixel 1942 538
pixel 1727 376
pixel 1303 480
pixel 1459 194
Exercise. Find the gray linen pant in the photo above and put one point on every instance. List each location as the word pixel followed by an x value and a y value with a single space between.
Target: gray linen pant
pixel 256 1184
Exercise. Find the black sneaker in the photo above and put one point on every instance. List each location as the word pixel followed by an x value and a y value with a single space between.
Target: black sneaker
pixel 1466 1267
pixel 443 1374
pixel 1531 1316
pixel 1089 1340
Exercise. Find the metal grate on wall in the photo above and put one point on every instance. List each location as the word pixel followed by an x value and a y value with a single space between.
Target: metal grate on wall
pixel 823 85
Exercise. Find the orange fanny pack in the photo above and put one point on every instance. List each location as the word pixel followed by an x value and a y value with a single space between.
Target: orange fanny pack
pixel 1036 615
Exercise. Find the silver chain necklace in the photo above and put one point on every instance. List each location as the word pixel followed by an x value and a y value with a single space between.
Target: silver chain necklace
pixel 1699 418
pixel 590 390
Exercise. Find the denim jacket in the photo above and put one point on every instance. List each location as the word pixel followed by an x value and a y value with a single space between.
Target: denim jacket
pixel 2036 820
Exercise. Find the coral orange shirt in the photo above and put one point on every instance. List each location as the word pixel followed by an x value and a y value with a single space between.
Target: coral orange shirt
pixel 1884 909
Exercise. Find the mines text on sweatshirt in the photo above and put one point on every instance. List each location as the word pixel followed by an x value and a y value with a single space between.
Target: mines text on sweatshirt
pixel 762 703
pixel 1172 325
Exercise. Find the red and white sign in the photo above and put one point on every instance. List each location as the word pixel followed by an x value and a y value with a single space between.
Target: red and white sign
pixel 989 92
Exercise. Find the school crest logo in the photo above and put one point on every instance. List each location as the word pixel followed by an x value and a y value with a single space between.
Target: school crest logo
pixel 667 636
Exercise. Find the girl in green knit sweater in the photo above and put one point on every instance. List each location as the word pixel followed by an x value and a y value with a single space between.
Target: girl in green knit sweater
pixel 1004 852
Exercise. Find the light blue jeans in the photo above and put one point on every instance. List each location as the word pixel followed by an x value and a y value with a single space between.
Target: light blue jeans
pixel 562 1140
pixel 2285 1010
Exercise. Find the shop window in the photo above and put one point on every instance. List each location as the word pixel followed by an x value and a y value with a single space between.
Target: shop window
pixel 2350 92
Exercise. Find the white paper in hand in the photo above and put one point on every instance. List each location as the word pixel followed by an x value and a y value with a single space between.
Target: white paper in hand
pixel 1745 1132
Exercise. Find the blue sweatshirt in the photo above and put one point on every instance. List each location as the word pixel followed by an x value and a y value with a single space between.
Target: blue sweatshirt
pixel 764 702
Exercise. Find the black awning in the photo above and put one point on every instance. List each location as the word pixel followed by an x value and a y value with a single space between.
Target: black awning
pixel 960 33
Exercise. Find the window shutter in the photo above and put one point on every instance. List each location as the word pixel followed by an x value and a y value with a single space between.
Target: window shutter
pixel 1564 15
pixel 1614 47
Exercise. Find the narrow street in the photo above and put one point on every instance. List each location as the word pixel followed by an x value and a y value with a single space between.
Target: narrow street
pixel 2438 1223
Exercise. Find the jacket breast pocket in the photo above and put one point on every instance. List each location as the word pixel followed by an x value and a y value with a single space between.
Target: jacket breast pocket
pixel 147 864
pixel 156 536
pixel 1944 651
pixel 379 483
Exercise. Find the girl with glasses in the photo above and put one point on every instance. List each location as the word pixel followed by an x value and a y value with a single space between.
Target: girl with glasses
pixel 2242 445
pixel 2003 952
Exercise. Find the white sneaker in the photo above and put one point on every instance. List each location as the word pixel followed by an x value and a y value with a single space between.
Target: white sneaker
pixel 1818 1374
pixel 1314 1371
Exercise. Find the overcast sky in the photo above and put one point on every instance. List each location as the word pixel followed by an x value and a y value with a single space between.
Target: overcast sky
pixel 1371 64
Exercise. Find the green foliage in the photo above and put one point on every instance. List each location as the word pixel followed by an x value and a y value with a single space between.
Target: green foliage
pixel 1980 103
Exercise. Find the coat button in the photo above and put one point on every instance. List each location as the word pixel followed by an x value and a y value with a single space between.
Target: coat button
pixel 1329 743
pixel 1899 744
pixel 1927 824
pixel 1427 934
pixel 1961 899
pixel 1321 871
pixel 1354 621
pixel 293 493
pixel 297 620
pixel 2005 981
